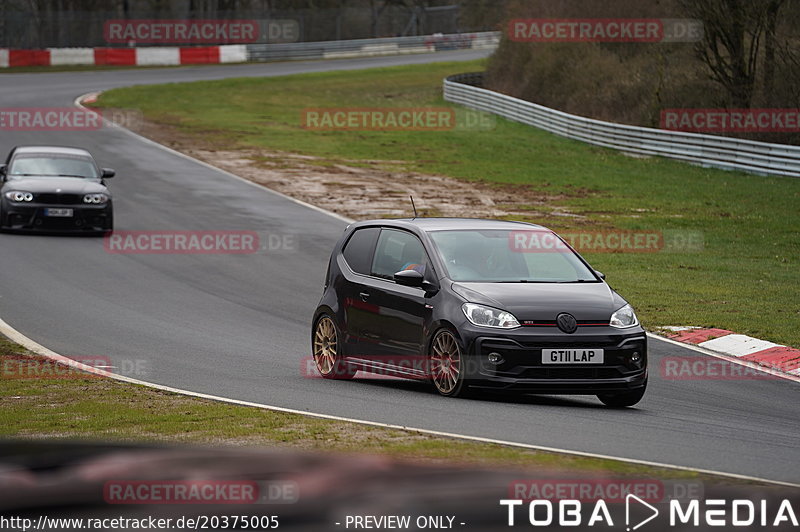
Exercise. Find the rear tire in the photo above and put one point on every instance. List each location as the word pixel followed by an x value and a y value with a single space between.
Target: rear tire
pixel 327 352
pixel 622 400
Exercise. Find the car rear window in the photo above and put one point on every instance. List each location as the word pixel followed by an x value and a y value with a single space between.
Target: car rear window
pixel 358 250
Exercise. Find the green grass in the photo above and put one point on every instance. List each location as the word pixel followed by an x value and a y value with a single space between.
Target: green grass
pixel 84 407
pixel 745 279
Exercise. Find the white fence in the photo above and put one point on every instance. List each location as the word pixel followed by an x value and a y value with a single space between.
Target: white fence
pixel 705 150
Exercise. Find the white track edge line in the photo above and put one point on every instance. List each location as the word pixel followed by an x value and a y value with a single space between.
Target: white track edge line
pixel 37 348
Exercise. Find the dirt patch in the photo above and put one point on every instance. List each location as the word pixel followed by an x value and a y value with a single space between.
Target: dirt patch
pixel 365 189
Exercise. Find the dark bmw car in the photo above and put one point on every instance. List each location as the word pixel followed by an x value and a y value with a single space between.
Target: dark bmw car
pixel 476 304
pixel 54 189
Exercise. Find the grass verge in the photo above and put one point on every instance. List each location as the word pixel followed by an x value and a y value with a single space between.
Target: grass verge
pixel 80 406
pixel 744 277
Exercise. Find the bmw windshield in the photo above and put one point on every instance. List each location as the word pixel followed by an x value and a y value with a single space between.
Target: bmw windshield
pixel 504 256
pixel 39 165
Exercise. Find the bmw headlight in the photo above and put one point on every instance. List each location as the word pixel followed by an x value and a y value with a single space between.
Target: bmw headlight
pixel 19 197
pixel 95 198
pixel 489 317
pixel 624 318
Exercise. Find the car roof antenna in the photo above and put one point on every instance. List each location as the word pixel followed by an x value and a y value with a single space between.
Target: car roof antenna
pixel 414 206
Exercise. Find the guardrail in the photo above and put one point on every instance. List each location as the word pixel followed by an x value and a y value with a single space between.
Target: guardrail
pixel 240 53
pixel 705 150
pixel 371 47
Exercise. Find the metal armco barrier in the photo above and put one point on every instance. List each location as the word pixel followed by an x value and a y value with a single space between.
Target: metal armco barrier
pixel 372 47
pixel 705 150
pixel 240 53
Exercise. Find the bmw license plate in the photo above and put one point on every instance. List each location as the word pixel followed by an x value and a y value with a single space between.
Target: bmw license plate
pixel 572 356
pixel 58 213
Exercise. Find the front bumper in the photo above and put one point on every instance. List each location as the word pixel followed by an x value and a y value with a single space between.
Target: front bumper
pixel 32 217
pixel 624 367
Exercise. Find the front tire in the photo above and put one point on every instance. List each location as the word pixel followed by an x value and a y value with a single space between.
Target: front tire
pixel 447 365
pixel 623 400
pixel 327 352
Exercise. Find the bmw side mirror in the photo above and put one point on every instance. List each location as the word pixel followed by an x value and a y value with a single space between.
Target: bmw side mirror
pixel 600 275
pixel 108 172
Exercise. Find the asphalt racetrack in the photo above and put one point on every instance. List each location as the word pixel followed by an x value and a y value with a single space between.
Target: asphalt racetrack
pixel 238 326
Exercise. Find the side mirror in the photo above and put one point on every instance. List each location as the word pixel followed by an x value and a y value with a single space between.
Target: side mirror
pixel 3 168
pixel 108 172
pixel 409 278
pixel 600 275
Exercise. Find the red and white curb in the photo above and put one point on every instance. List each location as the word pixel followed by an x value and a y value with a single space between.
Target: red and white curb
pixel 746 348
pixel 150 56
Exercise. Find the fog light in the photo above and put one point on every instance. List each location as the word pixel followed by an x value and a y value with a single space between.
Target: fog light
pixel 635 357
pixel 495 358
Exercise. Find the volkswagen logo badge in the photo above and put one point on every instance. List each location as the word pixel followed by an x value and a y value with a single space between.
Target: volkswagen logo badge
pixel 567 323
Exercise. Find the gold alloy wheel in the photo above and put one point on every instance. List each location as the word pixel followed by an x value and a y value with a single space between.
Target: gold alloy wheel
pixel 445 363
pixel 325 343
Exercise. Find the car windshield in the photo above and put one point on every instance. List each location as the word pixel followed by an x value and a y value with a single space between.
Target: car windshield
pixel 39 165
pixel 505 256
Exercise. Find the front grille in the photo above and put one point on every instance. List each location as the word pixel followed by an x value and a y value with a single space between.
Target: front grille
pixel 59 199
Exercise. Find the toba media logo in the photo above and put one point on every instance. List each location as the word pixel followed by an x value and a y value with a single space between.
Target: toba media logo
pixel 631 504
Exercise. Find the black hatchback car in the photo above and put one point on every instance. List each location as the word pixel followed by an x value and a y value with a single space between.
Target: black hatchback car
pixel 54 189
pixel 476 304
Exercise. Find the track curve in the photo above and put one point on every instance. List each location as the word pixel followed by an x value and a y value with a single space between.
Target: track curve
pixel 238 325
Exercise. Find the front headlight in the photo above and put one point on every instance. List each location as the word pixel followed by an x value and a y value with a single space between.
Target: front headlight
pixel 95 198
pixel 19 197
pixel 489 317
pixel 624 318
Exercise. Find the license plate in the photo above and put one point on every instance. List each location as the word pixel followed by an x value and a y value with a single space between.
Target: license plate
pixel 572 356
pixel 58 213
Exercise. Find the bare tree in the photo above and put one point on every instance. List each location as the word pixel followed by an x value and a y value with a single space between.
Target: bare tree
pixel 734 31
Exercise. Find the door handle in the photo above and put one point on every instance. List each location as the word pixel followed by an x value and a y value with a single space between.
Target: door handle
pixel 364 296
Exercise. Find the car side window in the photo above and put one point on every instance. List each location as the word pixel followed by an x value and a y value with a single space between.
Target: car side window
pixel 358 250
pixel 398 251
